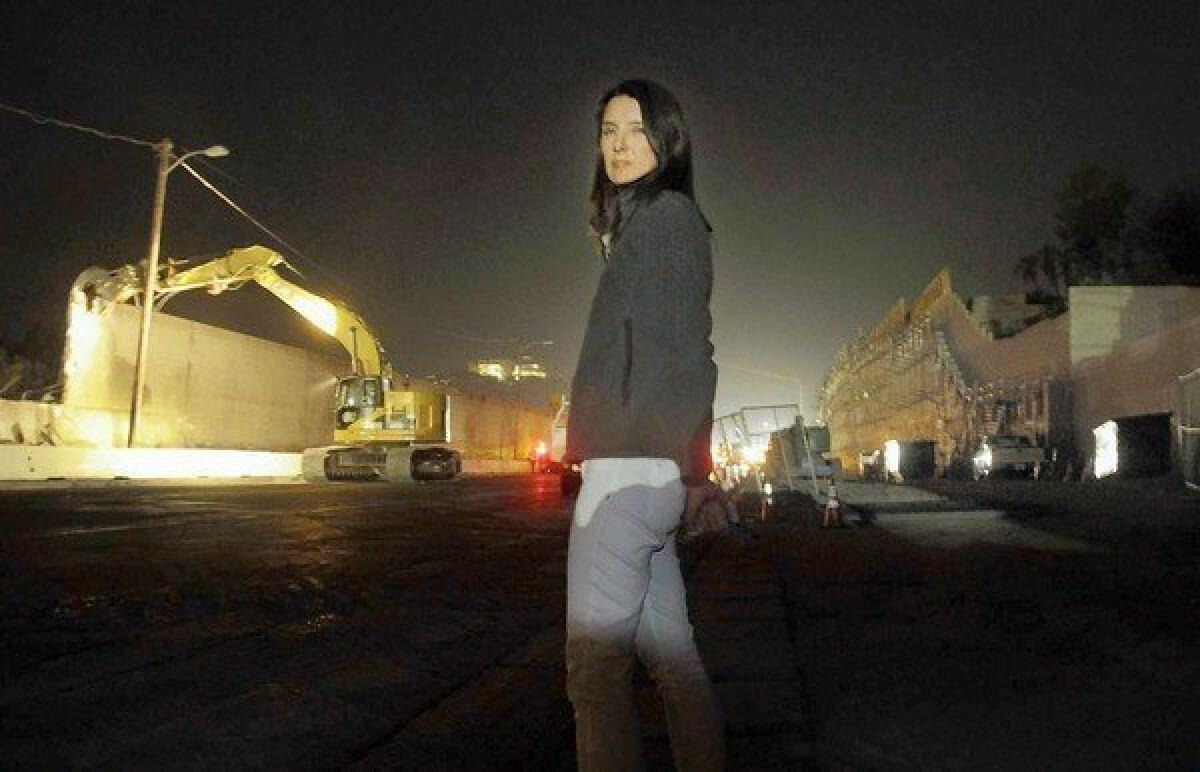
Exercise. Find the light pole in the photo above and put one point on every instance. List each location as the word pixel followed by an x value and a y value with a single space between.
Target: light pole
pixel 167 162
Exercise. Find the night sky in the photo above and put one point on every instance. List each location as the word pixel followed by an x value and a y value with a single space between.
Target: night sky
pixel 432 161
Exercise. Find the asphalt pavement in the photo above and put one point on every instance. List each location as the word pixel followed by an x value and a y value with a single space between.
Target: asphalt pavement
pixel 420 626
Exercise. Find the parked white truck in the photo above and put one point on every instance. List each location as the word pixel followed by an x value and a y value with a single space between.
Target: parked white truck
pixel 1008 455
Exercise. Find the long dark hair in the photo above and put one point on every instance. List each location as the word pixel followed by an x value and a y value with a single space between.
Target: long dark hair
pixel 667 131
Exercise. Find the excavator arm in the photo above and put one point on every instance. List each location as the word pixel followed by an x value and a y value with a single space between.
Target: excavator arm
pixel 257 264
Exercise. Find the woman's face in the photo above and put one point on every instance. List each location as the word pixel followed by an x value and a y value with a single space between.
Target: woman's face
pixel 627 153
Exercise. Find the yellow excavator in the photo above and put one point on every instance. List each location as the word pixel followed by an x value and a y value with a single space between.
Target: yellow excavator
pixel 381 432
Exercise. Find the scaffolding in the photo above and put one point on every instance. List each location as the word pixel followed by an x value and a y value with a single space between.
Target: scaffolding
pixel 746 438
pixel 902 381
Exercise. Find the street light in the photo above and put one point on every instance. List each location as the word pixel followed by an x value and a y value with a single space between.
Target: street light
pixel 167 163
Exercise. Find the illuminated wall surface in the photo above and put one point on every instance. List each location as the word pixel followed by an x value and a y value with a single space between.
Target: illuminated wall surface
pixel 206 387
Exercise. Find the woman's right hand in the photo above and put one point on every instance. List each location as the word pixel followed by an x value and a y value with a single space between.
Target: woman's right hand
pixel 707 508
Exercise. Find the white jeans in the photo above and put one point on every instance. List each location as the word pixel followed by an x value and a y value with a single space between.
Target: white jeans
pixel 625 594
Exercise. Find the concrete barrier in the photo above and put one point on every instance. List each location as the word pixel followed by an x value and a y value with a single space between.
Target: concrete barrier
pixel 48 462
pixel 489 468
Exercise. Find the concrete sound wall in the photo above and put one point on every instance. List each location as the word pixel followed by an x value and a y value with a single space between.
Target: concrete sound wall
pixel 1106 318
pixel 205 387
pixel 1129 348
pixel 486 428
pixel 1139 378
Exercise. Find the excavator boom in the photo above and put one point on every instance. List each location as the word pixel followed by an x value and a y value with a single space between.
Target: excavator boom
pixel 257 264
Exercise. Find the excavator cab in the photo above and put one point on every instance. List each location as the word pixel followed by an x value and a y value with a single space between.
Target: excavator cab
pixel 361 400
pixel 358 391
pixel 369 410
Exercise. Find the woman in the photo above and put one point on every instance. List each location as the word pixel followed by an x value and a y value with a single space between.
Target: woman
pixel 641 418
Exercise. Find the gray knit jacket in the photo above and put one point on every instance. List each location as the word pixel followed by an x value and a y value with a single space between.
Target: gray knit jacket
pixel 645 381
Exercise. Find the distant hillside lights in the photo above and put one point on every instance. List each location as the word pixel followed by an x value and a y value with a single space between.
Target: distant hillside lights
pixel 507 369
pixel 495 370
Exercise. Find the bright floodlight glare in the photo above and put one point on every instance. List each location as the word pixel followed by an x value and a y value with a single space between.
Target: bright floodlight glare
pixel 891 456
pixel 1106 448
pixel 754 454
pixel 216 151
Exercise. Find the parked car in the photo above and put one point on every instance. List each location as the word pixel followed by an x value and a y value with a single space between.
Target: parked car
pixel 572 478
pixel 1008 455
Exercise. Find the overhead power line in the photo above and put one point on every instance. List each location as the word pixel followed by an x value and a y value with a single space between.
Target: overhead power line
pixel 755 371
pixel 112 136
pixel 331 277
pixel 234 205
pixel 43 119
pixel 40 119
